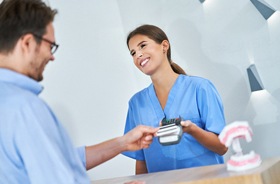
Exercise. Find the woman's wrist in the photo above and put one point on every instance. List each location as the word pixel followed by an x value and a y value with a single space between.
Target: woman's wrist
pixel 189 127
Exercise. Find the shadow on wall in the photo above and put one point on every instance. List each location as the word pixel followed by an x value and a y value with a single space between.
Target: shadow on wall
pixel 233 87
pixel 227 78
pixel 262 108
pixel 265 140
pixel 276 94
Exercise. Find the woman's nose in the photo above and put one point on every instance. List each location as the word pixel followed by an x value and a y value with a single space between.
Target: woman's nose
pixel 140 54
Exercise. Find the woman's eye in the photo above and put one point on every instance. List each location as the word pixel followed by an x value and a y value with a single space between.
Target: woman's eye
pixel 132 53
pixel 142 46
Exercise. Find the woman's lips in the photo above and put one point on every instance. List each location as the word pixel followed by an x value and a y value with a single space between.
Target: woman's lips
pixel 144 61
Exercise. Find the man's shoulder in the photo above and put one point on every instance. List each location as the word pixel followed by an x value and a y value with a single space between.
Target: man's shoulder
pixel 13 98
pixel 15 93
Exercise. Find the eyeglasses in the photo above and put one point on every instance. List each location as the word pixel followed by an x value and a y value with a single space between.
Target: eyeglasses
pixel 54 46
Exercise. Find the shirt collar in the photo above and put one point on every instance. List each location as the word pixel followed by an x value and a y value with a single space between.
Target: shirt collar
pixel 20 80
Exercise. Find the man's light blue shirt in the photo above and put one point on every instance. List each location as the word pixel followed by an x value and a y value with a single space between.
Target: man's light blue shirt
pixel 34 147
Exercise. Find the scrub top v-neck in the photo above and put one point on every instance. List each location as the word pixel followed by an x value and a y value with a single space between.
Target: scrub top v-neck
pixel 191 98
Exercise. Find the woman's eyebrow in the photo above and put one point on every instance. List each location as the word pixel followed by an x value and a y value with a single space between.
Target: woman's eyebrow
pixel 140 43
pixel 137 46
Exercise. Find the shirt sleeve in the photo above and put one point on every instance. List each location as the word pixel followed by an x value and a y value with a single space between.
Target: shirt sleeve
pixel 210 107
pixel 82 154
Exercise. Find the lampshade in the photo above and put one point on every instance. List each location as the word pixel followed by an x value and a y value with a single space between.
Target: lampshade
pixel 254 78
pixel 202 1
pixel 264 8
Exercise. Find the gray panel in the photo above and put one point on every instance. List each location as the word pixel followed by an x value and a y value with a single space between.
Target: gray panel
pixel 263 9
pixel 254 79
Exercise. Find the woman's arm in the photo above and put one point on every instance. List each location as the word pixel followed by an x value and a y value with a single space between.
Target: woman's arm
pixel 141 167
pixel 208 139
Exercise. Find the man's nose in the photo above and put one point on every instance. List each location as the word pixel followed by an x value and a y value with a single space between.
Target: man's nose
pixel 52 58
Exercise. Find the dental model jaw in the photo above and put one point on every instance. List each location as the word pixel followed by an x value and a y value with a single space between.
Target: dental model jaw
pixel 230 136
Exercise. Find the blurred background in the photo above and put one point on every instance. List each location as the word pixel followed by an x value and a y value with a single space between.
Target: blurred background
pixel 93 76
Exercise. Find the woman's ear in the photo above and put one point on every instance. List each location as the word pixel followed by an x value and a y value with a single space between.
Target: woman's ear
pixel 165 46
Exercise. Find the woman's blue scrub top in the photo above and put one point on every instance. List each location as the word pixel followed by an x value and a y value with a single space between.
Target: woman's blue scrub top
pixel 191 98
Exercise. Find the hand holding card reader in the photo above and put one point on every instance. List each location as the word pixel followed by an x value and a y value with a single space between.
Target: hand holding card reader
pixel 170 132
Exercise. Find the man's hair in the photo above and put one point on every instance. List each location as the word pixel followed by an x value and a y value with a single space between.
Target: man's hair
pixel 19 17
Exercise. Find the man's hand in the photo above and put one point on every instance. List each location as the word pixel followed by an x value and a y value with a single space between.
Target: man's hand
pixel 137 138
pixel 140 137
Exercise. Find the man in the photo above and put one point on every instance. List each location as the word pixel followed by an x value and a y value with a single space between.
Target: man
pixel 34 147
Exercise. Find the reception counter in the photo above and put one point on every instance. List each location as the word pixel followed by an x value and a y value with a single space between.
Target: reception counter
pixel 267 173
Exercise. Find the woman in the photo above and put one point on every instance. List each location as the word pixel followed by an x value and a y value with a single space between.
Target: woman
pixel 173 94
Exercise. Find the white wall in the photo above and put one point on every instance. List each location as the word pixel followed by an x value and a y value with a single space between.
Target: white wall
pixel 90 82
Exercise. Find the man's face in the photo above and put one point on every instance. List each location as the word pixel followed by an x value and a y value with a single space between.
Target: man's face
pixel 42 55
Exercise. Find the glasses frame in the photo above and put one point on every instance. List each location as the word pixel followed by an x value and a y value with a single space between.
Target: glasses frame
pixel 54 46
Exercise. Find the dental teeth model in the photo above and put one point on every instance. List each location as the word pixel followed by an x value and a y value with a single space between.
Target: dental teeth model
pixel 230 135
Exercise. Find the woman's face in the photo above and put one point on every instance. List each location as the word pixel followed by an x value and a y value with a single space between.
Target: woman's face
pixel 146 53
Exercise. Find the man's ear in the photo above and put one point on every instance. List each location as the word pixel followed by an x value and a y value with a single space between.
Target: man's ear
pixel 27 43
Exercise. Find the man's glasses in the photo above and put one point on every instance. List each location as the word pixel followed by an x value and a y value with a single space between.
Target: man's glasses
pixel 54 46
